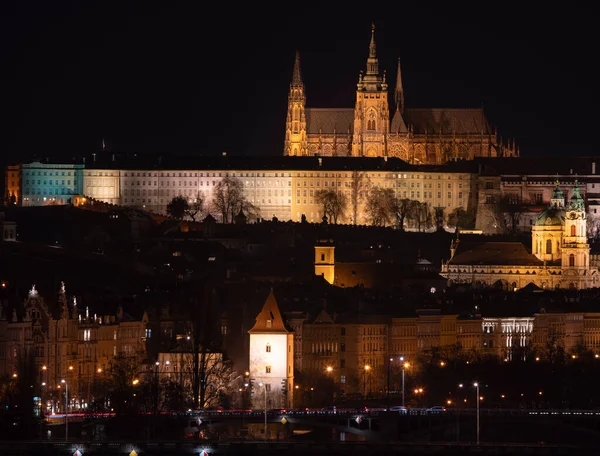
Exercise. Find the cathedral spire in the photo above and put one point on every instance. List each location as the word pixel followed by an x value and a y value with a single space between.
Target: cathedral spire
pixel 372 62
pixel 297 77
pixel 399 92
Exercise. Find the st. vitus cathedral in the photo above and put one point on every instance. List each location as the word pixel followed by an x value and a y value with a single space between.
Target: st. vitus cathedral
pixel 416 135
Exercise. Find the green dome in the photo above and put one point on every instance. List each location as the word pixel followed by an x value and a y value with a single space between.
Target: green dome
pixel 553 216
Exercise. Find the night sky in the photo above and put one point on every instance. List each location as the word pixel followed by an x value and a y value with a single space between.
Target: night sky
pixel 194 77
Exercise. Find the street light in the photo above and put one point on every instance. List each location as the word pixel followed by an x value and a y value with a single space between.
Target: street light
pixel 367 368
pixel 403 366
pixel 66 409
pixel 476 385
pixel 265 386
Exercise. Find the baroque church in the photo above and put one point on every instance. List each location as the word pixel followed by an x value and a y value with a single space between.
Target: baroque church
pixel 559 258
pixel 417 136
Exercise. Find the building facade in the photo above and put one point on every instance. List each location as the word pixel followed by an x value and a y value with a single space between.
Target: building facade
pixel 419 136
pixel 559 258
pixel 66 343
pixel 271 358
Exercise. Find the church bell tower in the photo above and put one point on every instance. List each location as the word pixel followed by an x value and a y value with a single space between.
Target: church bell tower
pixel 575 248
pixel 371 112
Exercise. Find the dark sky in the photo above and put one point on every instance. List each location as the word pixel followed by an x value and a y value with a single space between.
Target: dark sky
pixel 195 77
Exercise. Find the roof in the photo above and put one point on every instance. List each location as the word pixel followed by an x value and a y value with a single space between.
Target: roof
pixel 434 120
pixel 494 253
pixel 270 312
pixel 329 120
pixel 552 216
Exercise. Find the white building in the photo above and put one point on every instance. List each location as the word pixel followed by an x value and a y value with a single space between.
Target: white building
pixel 271 358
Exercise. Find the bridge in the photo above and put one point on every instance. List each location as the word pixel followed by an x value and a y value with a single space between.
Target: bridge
pixel 378 425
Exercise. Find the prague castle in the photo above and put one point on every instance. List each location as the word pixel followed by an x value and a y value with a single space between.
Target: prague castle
pixel 419 136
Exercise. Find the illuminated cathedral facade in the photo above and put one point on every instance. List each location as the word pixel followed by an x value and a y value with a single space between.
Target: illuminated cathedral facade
pixel 418 136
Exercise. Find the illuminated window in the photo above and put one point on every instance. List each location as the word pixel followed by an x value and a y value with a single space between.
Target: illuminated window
pixel 86 334
pixel 268 348
pixel 268 369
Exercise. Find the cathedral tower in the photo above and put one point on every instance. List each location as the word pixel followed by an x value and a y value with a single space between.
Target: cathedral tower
pixel 295 126
pixel 371 112
pixel 271 358
pixel 575 248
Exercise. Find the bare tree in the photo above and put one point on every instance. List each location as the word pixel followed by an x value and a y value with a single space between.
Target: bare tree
pixel 511 208
pixel 228 198
pixel 356 192
pixel 379 206
pixel 401 210
pixel 461 218
pixel 422 215
pixel 334 203
pixel 195 208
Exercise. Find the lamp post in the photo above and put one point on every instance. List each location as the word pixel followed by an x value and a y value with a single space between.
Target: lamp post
pixel 265 387
pixel 66 409
pixel 403 365
pixel 476 385
pixel 367 367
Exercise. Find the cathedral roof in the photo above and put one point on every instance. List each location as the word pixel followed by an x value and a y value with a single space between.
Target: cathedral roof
pixel 553 216
pixel 329 120
pixel 494 253
pixel 447 120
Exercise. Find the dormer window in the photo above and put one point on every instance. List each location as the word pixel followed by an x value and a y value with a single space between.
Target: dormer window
pixel 269 324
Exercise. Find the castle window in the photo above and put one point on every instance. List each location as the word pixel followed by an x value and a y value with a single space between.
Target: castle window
pixel 572 260
pixel 322 257
pixel 549 246
pixel 269 324
pixel 268 348
pixel 268 369
pixel 572 230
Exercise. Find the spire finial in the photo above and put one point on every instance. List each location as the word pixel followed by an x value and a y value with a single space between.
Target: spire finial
pixel 399 92
pixel 297 77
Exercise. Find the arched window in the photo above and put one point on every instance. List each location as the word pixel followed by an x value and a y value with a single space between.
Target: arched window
pixel 573 230
pixel 571 260
pixel 549 246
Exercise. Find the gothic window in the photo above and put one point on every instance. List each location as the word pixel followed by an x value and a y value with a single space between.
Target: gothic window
pixel 549 246
pixel 572 260
pixel 268 369
pixel 322 257
pixel 268 348
pixel 572 230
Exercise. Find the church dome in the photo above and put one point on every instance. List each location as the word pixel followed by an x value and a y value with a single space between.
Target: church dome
pixel 553 216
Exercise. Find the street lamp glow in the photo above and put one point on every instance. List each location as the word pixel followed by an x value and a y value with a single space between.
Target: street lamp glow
pixel 70 368
pixel 44 368
pixel 135 381
pixel 329 368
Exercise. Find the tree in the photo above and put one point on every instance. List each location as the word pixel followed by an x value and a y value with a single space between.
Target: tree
pixel 228 198
pixel 334 203
pixel 511 209
pixel 401 210
pixel 422 215
pixel 195 208
pixel 438 218
pixel 178 207
pixel 461 218
pixel 123 377
pixel 379 206
pixel 356 193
